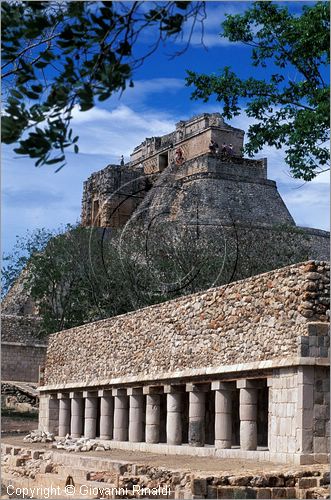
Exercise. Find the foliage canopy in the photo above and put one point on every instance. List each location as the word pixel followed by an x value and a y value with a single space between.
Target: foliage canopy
pixel 59 55
pixel 290 111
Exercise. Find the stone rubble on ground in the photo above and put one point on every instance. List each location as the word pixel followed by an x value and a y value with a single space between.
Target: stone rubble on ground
pixel 38 436
pixel 80 444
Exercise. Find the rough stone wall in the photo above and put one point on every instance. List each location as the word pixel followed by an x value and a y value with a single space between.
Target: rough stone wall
pixel 23 329
pixel 259 318
pixel 225 192
pixel 21 362
pixel 317 242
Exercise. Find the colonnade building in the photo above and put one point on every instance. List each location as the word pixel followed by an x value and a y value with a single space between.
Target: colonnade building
pixel 236 371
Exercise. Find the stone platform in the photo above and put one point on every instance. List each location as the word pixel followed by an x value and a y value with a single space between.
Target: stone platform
pixel 105 474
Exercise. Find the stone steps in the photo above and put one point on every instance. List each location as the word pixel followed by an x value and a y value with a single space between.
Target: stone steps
pixel 91 463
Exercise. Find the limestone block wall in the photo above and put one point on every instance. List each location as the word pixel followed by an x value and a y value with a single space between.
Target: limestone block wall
pixel 283 408
pixel 235 166
pixel 317 343
pixel 22 351
pixel 256 319
pixel 20 362
pixel 321 411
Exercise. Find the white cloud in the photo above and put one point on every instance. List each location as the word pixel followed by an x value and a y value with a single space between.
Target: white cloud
pixel 118 131
pixel 143 89
pixel 216 14
pixel 37 197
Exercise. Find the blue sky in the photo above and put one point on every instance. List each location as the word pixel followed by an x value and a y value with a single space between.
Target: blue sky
pixel 37 197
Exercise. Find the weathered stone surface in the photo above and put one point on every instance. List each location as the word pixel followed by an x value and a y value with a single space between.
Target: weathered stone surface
pixel 103 350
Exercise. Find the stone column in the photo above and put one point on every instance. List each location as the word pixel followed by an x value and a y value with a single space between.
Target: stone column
pixel 153 401
pixel 91 412
pixel 64 414
pixel 248 413
pixel 197 404
pixel 121 415
pixel 223 413
pixel 77 414
pixel 174 415
pixel 106 414
pixel 136 414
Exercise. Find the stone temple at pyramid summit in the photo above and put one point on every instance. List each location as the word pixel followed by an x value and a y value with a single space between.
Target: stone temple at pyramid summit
pixel 236 371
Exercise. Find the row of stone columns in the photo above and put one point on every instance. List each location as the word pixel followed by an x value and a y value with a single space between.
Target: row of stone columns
pixel 122 413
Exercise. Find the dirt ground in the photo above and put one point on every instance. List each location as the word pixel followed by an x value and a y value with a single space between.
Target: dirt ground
pixel 201 465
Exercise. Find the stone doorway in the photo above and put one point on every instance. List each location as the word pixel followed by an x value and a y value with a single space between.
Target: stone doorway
pixel 163 161
pixel 262 415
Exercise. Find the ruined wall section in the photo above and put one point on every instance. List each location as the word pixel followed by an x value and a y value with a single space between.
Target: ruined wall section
pixel 256 319
pixel 111 195
pixel 21 362
pixel 22 350
pixel 17 300
pixel 192 137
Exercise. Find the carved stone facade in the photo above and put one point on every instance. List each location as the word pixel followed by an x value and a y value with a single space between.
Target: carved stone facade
pixel 111 196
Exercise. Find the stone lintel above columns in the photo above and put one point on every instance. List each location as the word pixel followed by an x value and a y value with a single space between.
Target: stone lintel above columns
pixel 119 392
pixel 63 395
pixel 250 383
pixel 171 389
pixel 90 394
pixel 134 391
pixel 104 393
pixel 191 387
pixel 218 385
pixel 153 389
pixel 75 394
